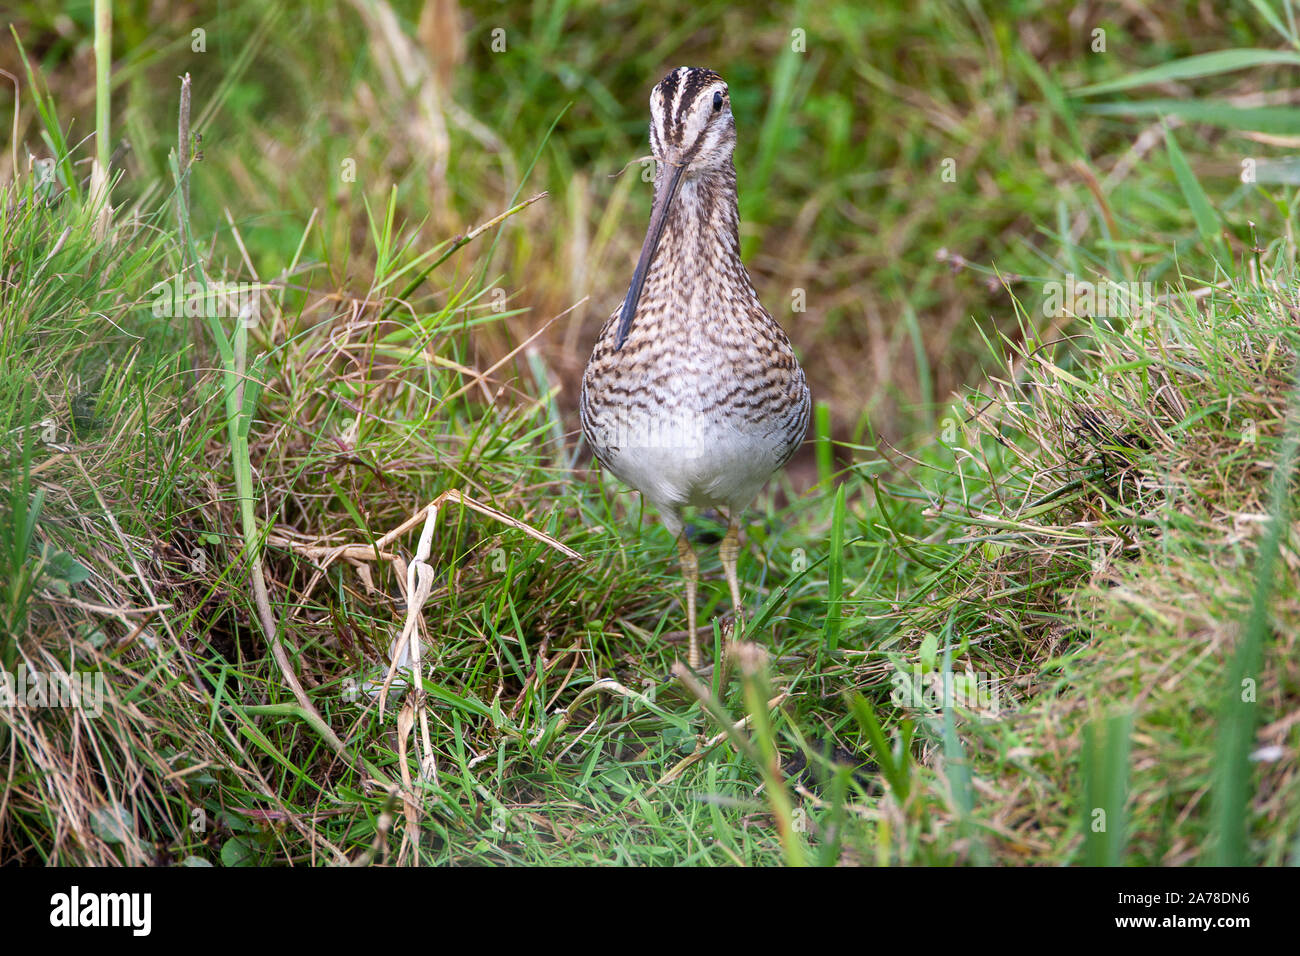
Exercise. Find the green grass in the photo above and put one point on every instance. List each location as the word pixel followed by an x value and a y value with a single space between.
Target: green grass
pixel 1077 522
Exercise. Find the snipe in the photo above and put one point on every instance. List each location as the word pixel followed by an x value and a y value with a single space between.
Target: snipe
pixel 692 394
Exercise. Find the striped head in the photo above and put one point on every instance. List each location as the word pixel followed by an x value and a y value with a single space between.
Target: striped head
pixel 693 135
pixel 691 125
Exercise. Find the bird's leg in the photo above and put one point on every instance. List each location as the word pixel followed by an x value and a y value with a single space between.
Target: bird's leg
pixel 691 572
pixel 728 551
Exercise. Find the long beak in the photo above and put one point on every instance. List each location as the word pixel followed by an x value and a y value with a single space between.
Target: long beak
pixel 658 219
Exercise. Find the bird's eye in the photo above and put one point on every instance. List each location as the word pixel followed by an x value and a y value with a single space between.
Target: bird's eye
pixel 717 101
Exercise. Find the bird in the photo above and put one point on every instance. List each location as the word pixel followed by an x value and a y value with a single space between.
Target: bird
pixel 693 394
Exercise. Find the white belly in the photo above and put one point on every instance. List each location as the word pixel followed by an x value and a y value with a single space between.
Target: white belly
pixel 685 460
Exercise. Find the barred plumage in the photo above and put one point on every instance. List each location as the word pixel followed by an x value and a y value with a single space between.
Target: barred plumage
pixel 693 394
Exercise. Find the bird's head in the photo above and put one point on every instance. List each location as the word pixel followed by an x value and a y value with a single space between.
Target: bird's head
pixel 691 125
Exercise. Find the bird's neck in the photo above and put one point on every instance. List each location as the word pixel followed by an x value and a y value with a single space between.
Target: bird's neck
pixel 704 223
pixel 698 282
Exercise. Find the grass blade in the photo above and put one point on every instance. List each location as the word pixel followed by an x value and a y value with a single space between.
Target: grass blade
pixel 1275 120
pixel 1207 220
pixel 1192 67
pixel 1105 758
pixel 835 576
